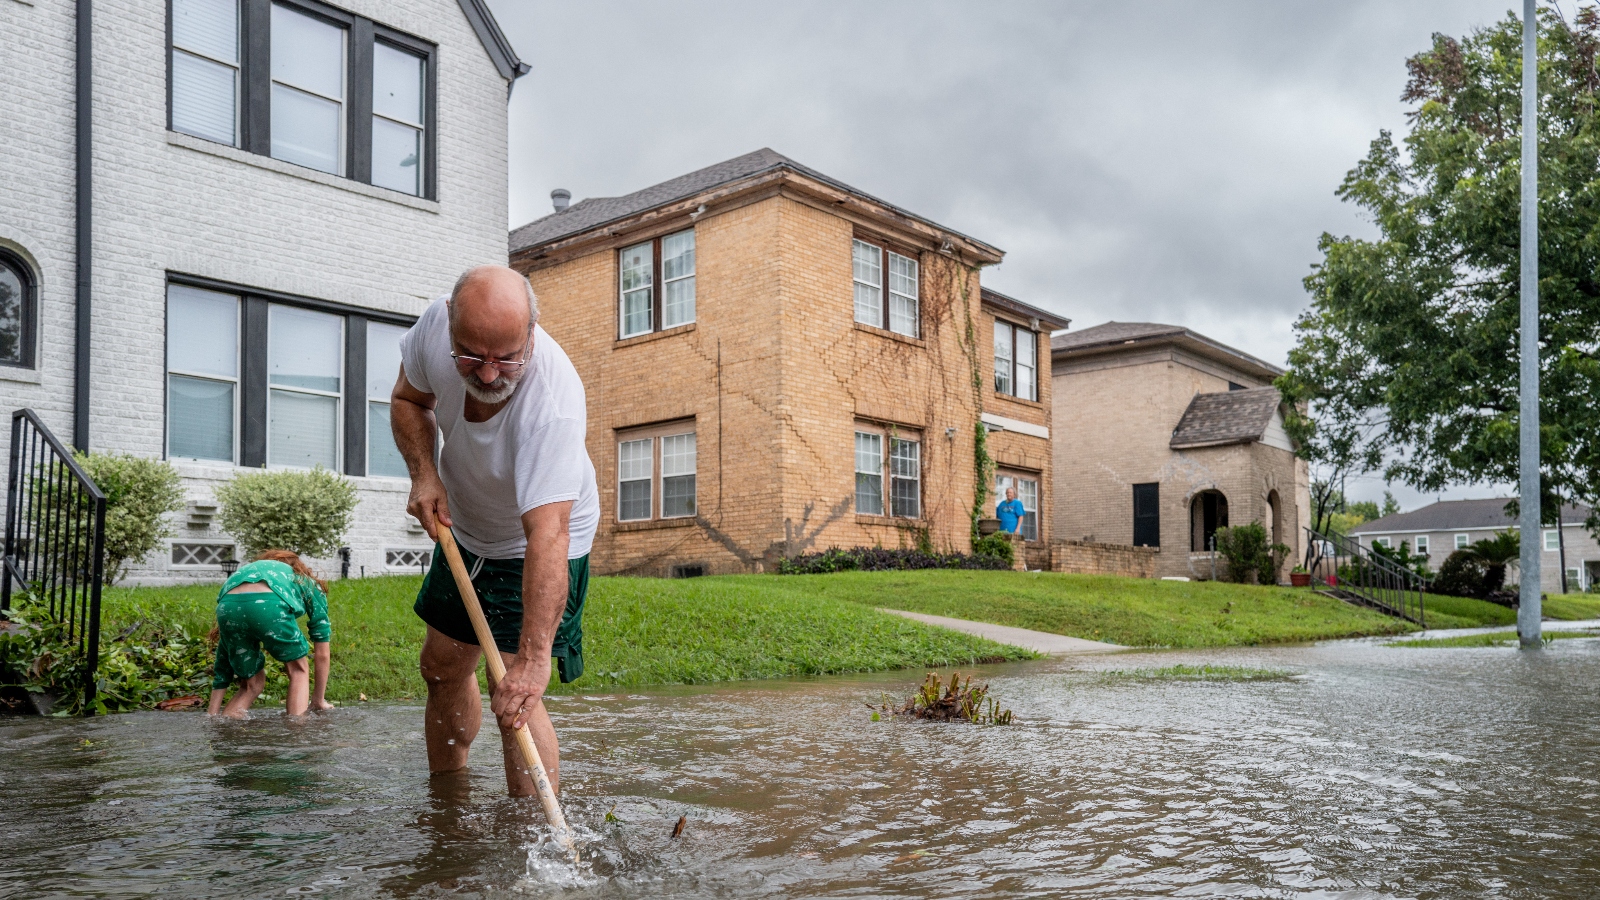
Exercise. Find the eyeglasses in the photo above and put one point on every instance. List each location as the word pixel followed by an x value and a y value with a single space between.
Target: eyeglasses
pixel 466 365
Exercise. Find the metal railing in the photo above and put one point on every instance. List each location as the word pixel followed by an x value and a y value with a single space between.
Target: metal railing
pixel 1344 565
pixel 55 537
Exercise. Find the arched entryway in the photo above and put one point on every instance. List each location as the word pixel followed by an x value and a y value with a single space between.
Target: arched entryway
pixel 1208 511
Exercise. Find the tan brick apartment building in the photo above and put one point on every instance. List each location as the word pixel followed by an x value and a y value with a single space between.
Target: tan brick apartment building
pixel 1163 436
pixel 777 363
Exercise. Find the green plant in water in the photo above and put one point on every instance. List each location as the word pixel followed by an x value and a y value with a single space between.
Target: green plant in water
pixel 1493 639
pixel 957 701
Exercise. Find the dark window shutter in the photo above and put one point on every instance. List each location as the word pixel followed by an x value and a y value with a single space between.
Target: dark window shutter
pixel 1147 515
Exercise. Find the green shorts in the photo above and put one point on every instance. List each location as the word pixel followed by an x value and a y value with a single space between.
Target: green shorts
pixel 246 622
pixel 499 586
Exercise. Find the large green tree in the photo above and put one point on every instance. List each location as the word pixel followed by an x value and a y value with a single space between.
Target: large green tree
pixel 1407 359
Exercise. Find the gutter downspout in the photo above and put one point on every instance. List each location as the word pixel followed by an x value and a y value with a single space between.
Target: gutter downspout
pixel 83 317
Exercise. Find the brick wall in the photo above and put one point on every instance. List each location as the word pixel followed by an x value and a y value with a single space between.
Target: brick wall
pixel 167 202
pixel 1095 558
pixel 775 374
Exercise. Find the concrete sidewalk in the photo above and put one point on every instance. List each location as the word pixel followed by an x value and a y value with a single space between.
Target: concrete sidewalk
pixel 1037 641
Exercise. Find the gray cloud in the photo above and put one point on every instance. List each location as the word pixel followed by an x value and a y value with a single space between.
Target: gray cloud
pixel 1169 162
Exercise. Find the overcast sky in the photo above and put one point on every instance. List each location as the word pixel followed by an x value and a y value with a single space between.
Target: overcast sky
pixel 1162 162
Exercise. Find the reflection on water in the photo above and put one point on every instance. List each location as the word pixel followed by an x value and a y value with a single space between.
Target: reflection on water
pixel 1380 772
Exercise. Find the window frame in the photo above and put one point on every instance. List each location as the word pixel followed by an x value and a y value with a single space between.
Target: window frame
pixel 1383 540
pixel 250 396
pixel 238 71
pixel 1461 541
pixel 887 436
pixel 167 372
pixel 1423 543
pixel 253 99
pixel 30 310
pixel 1550 540
pixel 338 397
pixel 657 286
pixel 656 434
pixel 1017 331
pixel 365 339
pixel 886 252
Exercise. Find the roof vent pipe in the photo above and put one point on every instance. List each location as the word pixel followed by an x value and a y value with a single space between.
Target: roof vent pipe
pixel 560 197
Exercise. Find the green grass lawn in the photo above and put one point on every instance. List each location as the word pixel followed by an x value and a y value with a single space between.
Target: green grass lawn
pixel 637 631
pixel 1131 611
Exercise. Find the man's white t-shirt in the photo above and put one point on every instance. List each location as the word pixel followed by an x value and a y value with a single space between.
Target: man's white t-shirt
pixel 529 454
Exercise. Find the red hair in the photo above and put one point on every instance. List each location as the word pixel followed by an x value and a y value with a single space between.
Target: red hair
pixel 293 561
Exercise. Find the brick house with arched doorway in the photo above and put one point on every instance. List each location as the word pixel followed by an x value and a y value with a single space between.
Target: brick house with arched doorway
pixel 1163 436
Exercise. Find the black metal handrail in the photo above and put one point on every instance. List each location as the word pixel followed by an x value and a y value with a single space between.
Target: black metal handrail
pixel 1344 564
pixel 55 537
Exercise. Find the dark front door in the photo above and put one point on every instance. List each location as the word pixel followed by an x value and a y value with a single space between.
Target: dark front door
pixel 1147 515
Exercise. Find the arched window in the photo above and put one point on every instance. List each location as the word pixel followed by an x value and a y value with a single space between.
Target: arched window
pixel 18 308
pixel 1208 511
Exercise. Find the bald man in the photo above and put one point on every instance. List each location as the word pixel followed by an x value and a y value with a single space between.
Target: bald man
pixel 514 483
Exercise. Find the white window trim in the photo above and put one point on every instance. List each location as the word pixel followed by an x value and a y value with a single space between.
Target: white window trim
pixel 656 435
pixel 1551 540
pixel 1422 542
pixel 886 435
pixel 661 475
pixel 694 251
pixel 916 299
pixel 1462 540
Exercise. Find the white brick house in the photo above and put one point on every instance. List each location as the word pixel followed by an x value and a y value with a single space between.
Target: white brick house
pixel 277 188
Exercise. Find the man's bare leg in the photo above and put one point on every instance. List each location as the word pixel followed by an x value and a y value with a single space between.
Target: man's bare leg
pixel 454 708
pixel 518 779
pixel 298 698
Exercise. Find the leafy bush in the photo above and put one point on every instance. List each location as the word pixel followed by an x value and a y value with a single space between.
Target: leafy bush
pixel 1461 575
pixel 138 667
pixel 139 493
pixel 1247 553
pixel 877 559
pixel 307 512
pixel 1496 553
pixel 996 545
pixel 1405 559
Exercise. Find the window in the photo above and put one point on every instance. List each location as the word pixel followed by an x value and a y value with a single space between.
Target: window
pixel 1016 360
pixel 1027 486
pixel 202 373
pixel 1461 542
pixel 1422 544
pixel 307 83
pixel 901 465
pixel 399 86
pixel 1574 578
pixel 869 474
pixel 641 454
pixel 1552 540
pixel 258 380
pixel 383 367
pixel 900 314
pixel 205 69
pixel 667 261
pixel 1382 542
pixel 18 310
pixel 1147 515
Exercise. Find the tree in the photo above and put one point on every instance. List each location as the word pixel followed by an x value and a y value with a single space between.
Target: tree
pixel 1496 553
pixel 1407 359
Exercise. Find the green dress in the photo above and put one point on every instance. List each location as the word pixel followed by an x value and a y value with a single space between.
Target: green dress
pixel 247 622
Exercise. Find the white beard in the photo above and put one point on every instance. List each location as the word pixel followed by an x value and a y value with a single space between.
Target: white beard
pixel 494 392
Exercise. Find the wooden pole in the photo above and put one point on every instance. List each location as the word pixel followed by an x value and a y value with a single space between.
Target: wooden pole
pixel 497 672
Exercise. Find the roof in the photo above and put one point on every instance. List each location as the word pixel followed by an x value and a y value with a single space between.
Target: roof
pixel 595 212
pixel 1458 515
pixel 1117 336
pixel 1226 417
pixel 493 39
pixel 1026 310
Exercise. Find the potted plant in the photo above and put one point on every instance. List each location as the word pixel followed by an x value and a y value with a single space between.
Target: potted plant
pixel 1299 577
pixel 987 527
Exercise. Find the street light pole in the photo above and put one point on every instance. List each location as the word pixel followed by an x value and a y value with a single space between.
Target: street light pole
pixel 1528 612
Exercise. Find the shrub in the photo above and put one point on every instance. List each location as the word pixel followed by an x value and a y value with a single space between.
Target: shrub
pixel 1496 553
pixel 139 493
pixel 307 512
pixel 996 545
pixel 877 559
pixel 1461 575
pixel 1246 552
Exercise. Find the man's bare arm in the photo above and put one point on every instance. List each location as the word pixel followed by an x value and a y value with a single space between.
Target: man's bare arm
pixel 544 601
pixel 414 425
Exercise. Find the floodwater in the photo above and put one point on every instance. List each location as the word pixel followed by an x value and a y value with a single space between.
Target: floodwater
pixel 1373 772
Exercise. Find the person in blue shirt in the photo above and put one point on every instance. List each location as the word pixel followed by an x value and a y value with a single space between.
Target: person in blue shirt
pixel 1010 512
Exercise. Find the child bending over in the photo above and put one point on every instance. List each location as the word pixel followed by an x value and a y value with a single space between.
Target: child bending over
pixel 260 605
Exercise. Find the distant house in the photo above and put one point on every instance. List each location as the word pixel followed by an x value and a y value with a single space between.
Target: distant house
pixel 212 260
pixel 777 362
pixel 1164 435
pixel 1439 529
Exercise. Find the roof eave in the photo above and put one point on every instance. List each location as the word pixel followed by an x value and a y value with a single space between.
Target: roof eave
pixel 500 51
pixel 1017 307
pixel 1180 336
pixel 782 174
pixel 1198 445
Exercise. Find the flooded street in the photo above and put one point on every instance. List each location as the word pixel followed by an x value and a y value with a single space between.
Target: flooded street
pixel 1373 772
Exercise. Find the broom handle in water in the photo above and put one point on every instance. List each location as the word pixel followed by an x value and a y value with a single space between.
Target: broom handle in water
pixel 497 673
